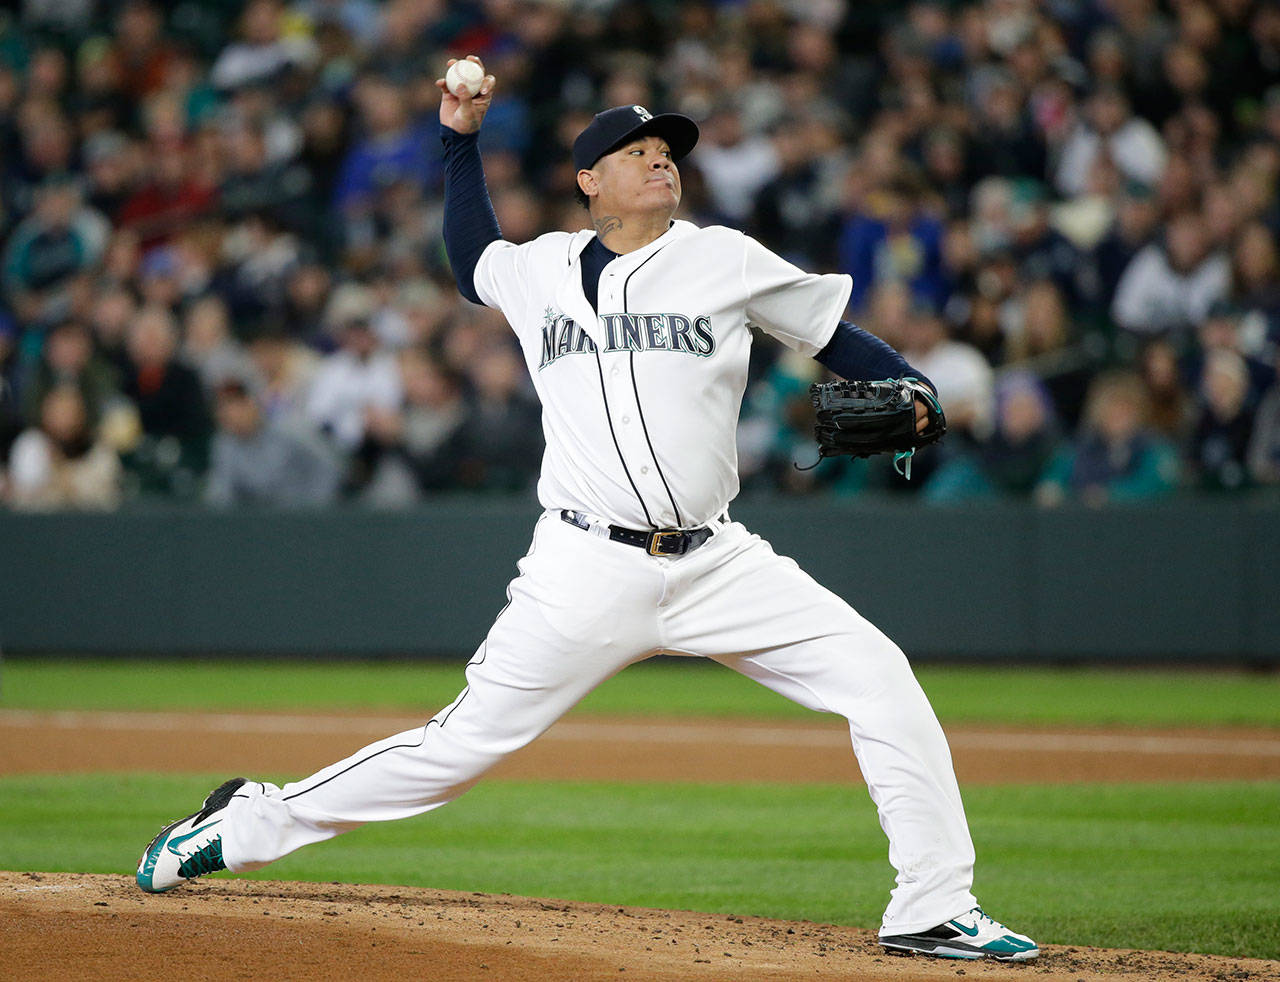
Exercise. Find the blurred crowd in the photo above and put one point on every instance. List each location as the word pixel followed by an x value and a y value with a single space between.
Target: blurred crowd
pixel 223 277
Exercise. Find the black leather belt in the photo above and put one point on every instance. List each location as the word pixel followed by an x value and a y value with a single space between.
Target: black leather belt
pixel 656 542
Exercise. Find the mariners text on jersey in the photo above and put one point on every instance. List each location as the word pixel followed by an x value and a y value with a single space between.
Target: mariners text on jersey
pixel 640 393
pixel 627 332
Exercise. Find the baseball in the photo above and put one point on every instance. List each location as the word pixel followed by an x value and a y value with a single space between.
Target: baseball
pixel 464 75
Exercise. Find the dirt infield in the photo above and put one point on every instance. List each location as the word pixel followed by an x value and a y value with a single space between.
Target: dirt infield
pixel 84 926
pixel 80 926
pixel 588 748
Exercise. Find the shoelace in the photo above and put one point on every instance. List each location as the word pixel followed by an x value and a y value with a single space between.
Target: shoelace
pixel 980 919
pixel 207 859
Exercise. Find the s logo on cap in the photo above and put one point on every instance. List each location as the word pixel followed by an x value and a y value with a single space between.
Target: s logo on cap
pixel 610 129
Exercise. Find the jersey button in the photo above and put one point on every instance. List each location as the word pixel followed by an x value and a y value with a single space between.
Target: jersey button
pixel 644 469
pixel 626 419
pixel 615 372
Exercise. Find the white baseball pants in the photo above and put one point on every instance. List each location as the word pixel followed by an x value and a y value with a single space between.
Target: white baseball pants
pixel 582 609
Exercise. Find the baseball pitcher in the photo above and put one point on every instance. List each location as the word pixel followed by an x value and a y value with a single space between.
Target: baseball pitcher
pixel 636 335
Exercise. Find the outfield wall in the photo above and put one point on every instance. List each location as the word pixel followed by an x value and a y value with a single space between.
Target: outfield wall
pixel 1183 580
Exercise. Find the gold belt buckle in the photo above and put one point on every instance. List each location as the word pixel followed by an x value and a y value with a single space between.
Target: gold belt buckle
pixel 655 542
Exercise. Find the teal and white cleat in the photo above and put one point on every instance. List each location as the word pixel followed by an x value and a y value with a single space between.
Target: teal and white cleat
pixel 971 935
pixel 189 847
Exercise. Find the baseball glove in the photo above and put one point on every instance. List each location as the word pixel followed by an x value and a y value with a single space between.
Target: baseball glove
pixel 858 419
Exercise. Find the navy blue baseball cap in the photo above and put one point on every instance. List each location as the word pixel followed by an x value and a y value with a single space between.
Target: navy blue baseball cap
pixel 621 124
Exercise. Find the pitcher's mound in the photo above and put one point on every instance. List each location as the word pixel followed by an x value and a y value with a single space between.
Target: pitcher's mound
pixel 62 925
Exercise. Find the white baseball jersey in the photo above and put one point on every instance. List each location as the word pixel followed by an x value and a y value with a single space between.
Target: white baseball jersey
pixel 640 402
pixel 640 406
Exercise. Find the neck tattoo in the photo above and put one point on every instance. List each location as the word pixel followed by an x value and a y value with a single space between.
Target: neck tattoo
pixel 606 225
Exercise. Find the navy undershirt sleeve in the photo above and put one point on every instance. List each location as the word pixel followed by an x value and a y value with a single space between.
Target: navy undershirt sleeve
pixel 859 356
pixel 469 222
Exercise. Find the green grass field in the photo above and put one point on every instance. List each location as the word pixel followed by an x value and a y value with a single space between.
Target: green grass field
pixel 1192 867
pixel 673 687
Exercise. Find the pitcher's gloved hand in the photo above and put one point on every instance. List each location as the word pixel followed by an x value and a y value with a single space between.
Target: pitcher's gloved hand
pixel 858 419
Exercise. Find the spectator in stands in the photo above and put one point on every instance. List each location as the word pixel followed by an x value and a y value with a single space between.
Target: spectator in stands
pixel 894 238
pixel 796 211
pixel 1135 225
pixel 47 74
pixel 58 241
pixel 1255 270
pixel 10 416
pixel 393 146
pixel 419 448
pixel 265 107
pixel 68 358
pixel 113 311
pixel 357 377
pixel 197 257
pixel 776 429
pixel 253 183
pixel 260 461
pixel 123 259
pixel 962 376
pixel 1006 142
pixel 1223 214
pixel 991 215
pixel 1264 30
pixel 358 18
pixel 10 96
pixel 113 165
pixel 1109 127
pixel 1228 328
pixel 1086 219
pixel 175 196
pixel 1107 57
pixel 306 293
pixel 208 346
pixel 948 170
pixel 1039 249
pixel 261 55
pixel 1042 340
pixel 187 83
pixel 1264 445
pixel 159 278
pixel 1186 80
pixel 1116 456
pixel 40 149
pixel 1172 411
pixel 266 158
pixel 58 463
pixel 258 256
pixel 1179 188
pixel 325 138
pixel 140 48
pixel 172 411
pixel 736 164
pixel 283 368
pixel 1221 438
pixel 1024 446
pixel 502 439
pixel 1171 285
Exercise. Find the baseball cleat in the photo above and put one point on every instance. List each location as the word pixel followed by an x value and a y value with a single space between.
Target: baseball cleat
pixel 971 935
pixel 189 847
